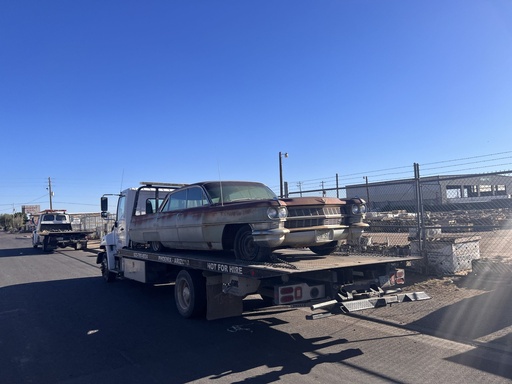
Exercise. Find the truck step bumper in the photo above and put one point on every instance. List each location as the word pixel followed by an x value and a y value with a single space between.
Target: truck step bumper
pixel 362 304
pixel 359 305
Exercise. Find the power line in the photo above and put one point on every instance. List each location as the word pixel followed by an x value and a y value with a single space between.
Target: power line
pixel 379 175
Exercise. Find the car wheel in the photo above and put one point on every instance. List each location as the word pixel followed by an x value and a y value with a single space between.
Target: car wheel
pixel 247 249
pixel 156 246
pixel 325 249
pixel 190 293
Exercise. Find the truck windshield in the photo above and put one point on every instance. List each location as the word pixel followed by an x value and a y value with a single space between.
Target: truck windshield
pixel 237 191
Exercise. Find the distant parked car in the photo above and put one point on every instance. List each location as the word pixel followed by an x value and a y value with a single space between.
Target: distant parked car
pixel 247 217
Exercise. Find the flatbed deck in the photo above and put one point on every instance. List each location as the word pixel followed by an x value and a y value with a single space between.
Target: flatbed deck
pixel 289 261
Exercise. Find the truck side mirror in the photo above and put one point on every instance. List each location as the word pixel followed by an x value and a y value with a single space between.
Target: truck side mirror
pixel 104 204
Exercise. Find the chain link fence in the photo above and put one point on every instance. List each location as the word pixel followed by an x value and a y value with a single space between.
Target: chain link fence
pixel 90 222
pixel 456 223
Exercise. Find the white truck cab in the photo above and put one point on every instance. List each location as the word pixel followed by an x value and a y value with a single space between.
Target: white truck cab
pixel 130 202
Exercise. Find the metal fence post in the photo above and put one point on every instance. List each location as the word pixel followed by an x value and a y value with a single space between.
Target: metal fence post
pixel 421 232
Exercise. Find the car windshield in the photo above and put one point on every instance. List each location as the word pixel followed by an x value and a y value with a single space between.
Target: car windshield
pixel 230 191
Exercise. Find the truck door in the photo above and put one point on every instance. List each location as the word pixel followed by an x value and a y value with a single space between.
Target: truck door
pixel 120 228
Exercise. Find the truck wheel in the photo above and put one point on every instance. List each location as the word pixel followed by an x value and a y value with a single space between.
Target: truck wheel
pixel 107 275
pixel 80 245
pixel 190 293
pixel 247 249
pixel 46 245
pixel 325 249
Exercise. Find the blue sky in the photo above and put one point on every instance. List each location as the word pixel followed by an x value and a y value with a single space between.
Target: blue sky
pixel 100 95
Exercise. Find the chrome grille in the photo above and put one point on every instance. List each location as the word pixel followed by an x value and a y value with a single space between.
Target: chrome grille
pixel 302 217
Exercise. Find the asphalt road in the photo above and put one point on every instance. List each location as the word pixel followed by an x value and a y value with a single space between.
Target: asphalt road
pixel 61 323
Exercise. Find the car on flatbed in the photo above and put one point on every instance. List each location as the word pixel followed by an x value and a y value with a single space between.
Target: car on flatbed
pixel 248 218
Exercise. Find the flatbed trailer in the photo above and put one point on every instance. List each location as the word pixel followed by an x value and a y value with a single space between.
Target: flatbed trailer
pixel 215 284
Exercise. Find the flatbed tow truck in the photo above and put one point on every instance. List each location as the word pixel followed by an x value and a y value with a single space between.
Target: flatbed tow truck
pixel 214 283
pixel 54 230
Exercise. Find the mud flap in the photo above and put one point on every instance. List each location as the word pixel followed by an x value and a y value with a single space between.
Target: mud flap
pixel 99 257
pixel 220 305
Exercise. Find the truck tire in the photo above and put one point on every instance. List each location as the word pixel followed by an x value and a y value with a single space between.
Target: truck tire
pixel 325 249
pixel 80 245
pixel 107 275
pixel 190 293
pixel 246 249
pixel 35 240
pixel 46 245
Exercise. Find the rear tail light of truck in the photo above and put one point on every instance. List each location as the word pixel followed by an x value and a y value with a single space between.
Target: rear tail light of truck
pixel 400 276
pixel 296 293
pixel 397 277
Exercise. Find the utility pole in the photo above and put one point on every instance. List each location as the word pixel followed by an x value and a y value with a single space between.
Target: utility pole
pixel 50 192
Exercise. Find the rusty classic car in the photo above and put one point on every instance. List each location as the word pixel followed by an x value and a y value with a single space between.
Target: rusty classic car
pixel 248 218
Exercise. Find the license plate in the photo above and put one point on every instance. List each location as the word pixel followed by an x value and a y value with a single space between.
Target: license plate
pixel 323 235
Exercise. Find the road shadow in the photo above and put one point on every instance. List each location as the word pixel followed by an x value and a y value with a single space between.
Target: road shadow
pixel 17 252
pixel 85 330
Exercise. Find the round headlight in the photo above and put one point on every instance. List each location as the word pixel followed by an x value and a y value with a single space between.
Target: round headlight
pixel 283 212
pixel 272 213
pixel 362 208
pixel 277 212
pixel 355 209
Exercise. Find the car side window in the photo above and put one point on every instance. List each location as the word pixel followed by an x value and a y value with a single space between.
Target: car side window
pixel 176 201
pixel 188 198
pixel 196 198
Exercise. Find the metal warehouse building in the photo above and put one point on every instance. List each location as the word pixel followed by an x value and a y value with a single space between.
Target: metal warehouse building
pixel 448 191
